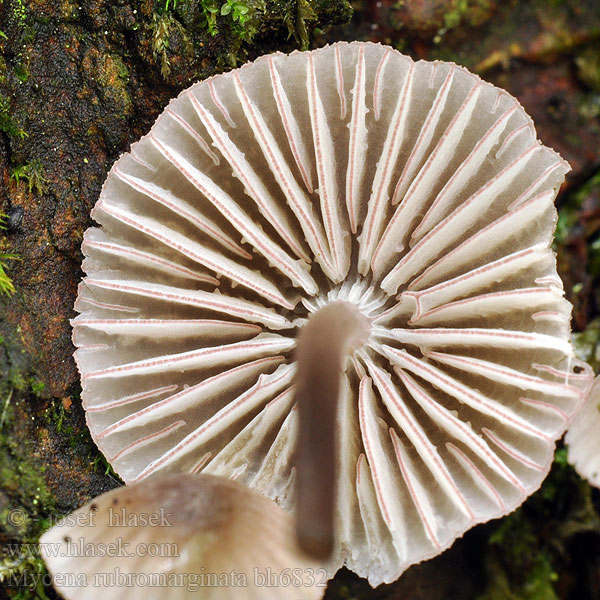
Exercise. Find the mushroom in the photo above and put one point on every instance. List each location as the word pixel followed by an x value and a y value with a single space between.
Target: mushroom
pixel 583 438
pixel 412 194
pixel 180 536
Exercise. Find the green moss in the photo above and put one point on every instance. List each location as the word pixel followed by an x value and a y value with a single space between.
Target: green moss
pixel 568 213
pixel 588 67
pixel 469 12
pixel 160 41
pixel 32 173
pixel 22 480
pixel 25 574
pixel 113 75
pixel 25 505
pixel 6 285
pixel 526 549
pixel 587 344
pixel 454 17
pixel 306 14
pixel 19 13
pixel 7 122
pixel 22 72
pixel 114 71
pixel 99 463
pixel 37 387
pixel 209 11
pixel 57 415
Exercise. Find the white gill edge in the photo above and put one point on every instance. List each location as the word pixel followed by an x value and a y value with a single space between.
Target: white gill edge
pixel 297 200
pixel 480 336
pixel 193 133
pixel 418 438
pixel 294 269
pixel 339 80
pixel 148 260
pixel 384 479
pixel 290 125
pixel 465 172
pixel 189 398
pixel 328 193
pixel 477 279
pixel 419 150
pixel 452 227
pixel 170 328
pixel 357 144
pixel 487 238
pixel 424 182
pixel 377 84
pixel 378 204
pixel 507 375
pixel 199 253
pixel 234 307
pixel 265 387
pixel 253 185
pixel 463 393
pixel 266 344
pixel 484 305
pixel 167 199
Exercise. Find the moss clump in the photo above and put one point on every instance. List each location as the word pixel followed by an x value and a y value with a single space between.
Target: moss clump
pixel 7 122
pixel 25 575
pixel 587 344
pixel 528 551
pixel 194 39
pixel 6 285
pixel 588 67
pixel 31 173
pixel 25 506
pixel 22 479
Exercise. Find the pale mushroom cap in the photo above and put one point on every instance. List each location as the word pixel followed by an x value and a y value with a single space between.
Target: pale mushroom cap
pixel 180 536
pixel 583 437
pixel 415 191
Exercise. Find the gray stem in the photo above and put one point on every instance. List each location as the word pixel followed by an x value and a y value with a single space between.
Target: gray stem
pixel 323 347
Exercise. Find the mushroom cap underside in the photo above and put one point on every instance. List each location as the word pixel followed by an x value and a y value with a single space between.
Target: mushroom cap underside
pixel 416 192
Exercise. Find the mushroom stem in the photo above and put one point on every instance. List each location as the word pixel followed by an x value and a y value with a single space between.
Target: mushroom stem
pixel 324 344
